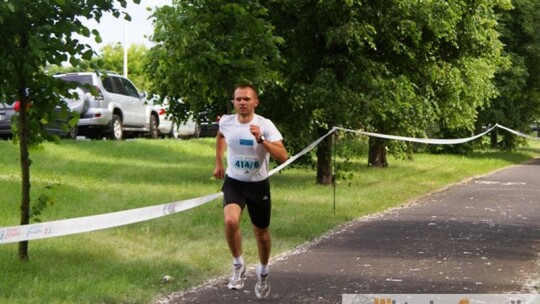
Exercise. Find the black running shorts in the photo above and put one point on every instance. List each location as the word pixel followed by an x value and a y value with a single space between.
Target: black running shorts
pixel 254 195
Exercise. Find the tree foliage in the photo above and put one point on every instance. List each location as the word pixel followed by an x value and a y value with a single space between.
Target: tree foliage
pixel 392 66
pixel 518 105
pixel 34 34
pixel 204 48
pixel 112 59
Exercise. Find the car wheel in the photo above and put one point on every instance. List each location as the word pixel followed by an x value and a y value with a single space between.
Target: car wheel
pixel 116 132
pixel 173 133
pixel 153 126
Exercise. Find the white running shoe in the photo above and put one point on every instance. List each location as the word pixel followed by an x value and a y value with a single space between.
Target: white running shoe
pixel 262 288
pixel 239 275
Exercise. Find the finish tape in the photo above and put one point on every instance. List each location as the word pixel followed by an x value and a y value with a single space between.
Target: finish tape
pixel 109 220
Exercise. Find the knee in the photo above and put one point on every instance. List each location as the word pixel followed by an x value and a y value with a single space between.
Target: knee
pixel 262 234
pixel 231 223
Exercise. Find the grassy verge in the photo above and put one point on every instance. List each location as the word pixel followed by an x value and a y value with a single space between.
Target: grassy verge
pixel 126 264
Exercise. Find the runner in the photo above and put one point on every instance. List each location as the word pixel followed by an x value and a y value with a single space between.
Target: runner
pixel 250 140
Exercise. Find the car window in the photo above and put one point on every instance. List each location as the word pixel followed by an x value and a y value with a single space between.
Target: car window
pixel 82 79
pixel 130 88
pixel 115 84
pixel 119 86
pixel 108 84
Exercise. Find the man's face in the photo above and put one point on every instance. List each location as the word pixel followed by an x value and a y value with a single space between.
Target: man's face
pixel 245 101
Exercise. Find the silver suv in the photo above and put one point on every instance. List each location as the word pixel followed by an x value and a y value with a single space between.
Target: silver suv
pixel 117 109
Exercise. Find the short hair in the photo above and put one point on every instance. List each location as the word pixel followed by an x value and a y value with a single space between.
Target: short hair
pixel 245 86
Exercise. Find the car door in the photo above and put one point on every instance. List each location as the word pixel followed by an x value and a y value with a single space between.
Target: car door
pixel 117 96
pixel 137 106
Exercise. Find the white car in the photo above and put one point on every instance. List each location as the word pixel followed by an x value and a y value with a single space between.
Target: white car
pixel 118 107
pixel 168 127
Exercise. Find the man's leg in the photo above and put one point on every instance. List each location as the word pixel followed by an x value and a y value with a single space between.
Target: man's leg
pixel 231 213
pixel 264 244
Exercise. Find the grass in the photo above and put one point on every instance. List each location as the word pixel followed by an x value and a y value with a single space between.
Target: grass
pixel 126 264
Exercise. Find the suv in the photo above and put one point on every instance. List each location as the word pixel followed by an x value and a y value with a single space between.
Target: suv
pixel 118 108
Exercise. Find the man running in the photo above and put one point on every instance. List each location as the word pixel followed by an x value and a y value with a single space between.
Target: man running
pixel 250 140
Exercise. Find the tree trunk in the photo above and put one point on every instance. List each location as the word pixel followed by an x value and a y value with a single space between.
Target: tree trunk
pixel 377 153
pixel 493 138
pixel 410 151
pixel 324 160
pixel 25 171
pixel 508 142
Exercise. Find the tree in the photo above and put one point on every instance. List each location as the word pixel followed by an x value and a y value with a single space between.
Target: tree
pixel 34 34
pixel 136 54
pixel 205 48
pixel 395 67
pixel 322 72
pixel 518 104
pixel 392 66
pixel 112 59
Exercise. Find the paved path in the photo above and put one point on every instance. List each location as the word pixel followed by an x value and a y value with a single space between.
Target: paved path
pixel 480 236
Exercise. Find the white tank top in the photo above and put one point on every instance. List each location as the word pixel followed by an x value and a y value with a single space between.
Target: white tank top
pixel 246 159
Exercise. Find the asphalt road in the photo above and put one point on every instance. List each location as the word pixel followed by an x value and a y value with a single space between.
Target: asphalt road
pixel 479 236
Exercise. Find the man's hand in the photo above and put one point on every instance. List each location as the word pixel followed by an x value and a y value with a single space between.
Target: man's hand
pixel 275 148
pixel 256 131
pixel 219 172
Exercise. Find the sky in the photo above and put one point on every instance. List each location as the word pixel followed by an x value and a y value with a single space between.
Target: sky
pixel 111 29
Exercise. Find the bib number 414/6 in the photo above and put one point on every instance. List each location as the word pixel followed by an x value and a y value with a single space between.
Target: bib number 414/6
pixel 247 164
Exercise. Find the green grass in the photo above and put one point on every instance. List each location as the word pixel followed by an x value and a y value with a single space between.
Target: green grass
pixel 126 264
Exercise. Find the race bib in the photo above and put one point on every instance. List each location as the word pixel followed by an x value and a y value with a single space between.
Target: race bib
pixel 245 165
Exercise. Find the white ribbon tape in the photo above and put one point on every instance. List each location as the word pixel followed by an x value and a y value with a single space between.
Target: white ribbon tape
pixel 517 132
pixel 306 150
pixel 109 220
pixel 422 140
pixel 97 222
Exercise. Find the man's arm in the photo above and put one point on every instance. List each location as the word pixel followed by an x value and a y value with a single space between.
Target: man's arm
pixel 221 146
pixel 277 150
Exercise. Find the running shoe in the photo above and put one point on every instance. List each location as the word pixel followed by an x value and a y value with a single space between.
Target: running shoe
pixel 239 275
pixel 262 288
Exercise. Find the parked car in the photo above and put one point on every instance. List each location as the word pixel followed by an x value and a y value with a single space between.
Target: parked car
pixel 9 112
pixel 116 110
pixel 6 113
pixel 167 125
pixel 188 129
pixel 209 128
